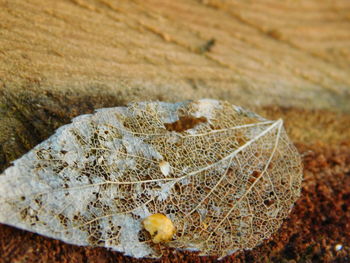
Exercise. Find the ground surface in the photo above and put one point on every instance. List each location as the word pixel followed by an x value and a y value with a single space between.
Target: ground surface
pixel 319 221
pixel 283 59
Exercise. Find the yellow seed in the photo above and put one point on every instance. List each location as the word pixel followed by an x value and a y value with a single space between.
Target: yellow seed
pixel 160 227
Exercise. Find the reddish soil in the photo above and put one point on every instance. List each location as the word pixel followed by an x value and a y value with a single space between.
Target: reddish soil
pixel 319 221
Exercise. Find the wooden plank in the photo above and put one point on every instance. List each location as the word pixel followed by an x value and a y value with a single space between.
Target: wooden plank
pixel 279 52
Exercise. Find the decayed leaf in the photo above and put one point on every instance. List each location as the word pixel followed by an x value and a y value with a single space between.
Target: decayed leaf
pixel 224 176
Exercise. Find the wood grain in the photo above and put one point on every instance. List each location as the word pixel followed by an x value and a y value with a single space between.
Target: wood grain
pixel 291 53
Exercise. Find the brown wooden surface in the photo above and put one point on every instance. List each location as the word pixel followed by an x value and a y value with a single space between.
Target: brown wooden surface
pixel 282 52
pixel 282 58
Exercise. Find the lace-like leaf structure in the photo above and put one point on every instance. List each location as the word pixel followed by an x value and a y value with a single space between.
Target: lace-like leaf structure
pixel 226 177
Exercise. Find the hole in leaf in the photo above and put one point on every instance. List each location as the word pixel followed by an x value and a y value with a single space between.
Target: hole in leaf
pixel 184 123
